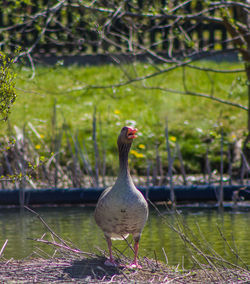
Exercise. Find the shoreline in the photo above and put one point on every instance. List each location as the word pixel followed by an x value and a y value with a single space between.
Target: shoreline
pixel 60 196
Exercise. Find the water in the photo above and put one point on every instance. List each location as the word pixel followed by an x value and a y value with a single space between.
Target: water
pixel 77 224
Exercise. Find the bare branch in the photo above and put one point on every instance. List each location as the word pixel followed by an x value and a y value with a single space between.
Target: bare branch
pixel 229 4
pixel 46 225
pixel 179 6
pixel 198 95
pixel 215 70
pixel 33 18
pixel 65 247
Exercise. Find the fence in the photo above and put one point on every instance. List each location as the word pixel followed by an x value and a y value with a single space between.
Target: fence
pixel 69 28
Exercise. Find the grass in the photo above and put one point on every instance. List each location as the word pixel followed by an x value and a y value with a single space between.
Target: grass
pixel 190 119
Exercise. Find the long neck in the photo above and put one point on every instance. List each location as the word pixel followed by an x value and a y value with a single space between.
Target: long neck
pixel 123 158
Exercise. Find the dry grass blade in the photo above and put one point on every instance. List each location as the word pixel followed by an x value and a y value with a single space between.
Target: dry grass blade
pixel 96 151
pixel 103 151
pixel 73 166
pixel 3 247
pixel 182 167
pixel 165 255
pixel 170 167
pixel 208 166
pixel 221 194
pixel 84 157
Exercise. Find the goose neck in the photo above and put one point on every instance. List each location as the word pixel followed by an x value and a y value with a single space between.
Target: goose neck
pixel 123 159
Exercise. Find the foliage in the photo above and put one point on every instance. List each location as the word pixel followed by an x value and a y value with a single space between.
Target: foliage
pixel 7 86
pixel 175 35
pixel 191 121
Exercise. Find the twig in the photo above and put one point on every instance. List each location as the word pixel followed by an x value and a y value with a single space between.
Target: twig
pixel 176 278
pixel 231 249
pixel 197 262
pixel 66 247
pixel 197 94
pixel 46 225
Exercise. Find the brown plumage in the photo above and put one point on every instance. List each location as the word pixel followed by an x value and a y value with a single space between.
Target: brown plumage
pixel 122 210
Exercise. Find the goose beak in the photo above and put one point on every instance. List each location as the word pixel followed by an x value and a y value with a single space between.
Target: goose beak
pixel 131 133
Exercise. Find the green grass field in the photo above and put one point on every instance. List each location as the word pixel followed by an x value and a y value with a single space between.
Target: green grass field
pixel 190 119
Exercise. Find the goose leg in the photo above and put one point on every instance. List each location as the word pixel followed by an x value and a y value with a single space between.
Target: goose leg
pixel 111 260
pixel 135 264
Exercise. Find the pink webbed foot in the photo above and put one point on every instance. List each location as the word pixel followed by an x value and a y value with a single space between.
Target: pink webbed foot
pixel 110 262
pixel 134 265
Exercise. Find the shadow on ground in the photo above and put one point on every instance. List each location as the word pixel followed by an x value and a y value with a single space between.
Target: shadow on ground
pixel 89 269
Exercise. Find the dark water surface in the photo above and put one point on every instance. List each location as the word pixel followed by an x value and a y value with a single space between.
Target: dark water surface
pixel 77 224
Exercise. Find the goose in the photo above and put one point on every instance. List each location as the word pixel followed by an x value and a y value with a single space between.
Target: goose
pixel 122 209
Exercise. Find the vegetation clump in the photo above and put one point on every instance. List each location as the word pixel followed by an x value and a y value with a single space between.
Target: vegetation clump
pixel 53 117
pixel 7 86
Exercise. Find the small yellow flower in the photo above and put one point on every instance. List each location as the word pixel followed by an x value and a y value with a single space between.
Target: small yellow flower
pixel 133 152
pixel 136 154
pixel 141 146
pixel 172 138
pixel 233 136
pixel 117 111
pixel 38 146
pixel 41 136
pixel 139 155
pixel 42 158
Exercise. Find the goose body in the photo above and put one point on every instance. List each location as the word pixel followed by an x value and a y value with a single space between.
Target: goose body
pixel 122 209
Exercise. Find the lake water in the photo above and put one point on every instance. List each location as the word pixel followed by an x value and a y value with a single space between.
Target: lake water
pixel 77 225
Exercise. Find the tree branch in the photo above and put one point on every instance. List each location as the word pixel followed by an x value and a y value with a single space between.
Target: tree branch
pixel 196 94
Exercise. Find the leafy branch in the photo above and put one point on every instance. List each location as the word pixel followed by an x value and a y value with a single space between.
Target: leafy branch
pixel 7 86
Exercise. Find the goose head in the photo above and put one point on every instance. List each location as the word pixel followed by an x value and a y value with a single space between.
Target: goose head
pixel 127 135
